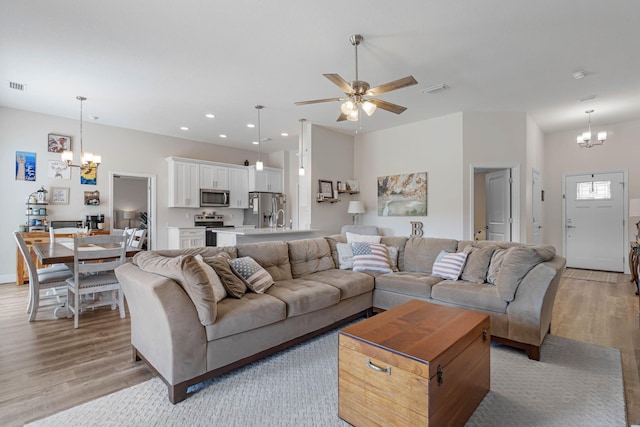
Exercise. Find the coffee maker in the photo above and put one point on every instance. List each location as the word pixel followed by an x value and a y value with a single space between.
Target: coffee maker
pixel 92 222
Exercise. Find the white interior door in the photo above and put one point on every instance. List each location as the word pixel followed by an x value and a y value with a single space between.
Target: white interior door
pixel 498 208
pixel 536 208
pixel 594 226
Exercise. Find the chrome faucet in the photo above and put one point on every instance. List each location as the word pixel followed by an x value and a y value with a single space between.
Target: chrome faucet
pixel 275 223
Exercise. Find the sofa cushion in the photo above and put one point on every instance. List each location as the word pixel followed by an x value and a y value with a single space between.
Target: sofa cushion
pixel 516 264
pixel 304 296
pixel 272 256
pixel 309 256
pixel 477 265
pixel 186 271
pixel 408 283
pixel 449 265
pixel 205 251
pixel 233 284
pixel 370 257
pixel 350 283
pixel 421 252
pixel 333 240
pixel 471 295
pixel 250 312
pixel 219 292
pixel 252 274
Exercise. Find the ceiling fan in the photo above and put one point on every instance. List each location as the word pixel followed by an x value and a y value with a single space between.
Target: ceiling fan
pixel 356 91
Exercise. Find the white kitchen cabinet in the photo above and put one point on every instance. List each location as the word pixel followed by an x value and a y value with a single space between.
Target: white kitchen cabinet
pixel 238 188
pixel 184 183
pixel 214 177
pixel 182 238
pixel 268 179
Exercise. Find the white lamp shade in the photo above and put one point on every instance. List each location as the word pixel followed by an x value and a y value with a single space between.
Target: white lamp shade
pixel 67 156
pixel 634 207
pixel 602 136
pixel 259 166
pixel 355 207
pixel 128 215
pixel 369 107
pixel 301 171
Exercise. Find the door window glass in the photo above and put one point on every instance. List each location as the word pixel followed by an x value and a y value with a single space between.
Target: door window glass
pixel 593 190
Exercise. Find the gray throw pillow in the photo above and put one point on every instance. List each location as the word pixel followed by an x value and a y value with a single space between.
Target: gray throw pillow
pixel 494 265
pixel 477 266
pixel 517 262
pixel 232 283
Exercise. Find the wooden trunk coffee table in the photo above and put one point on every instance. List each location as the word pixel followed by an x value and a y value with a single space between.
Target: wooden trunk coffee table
pixel 416 364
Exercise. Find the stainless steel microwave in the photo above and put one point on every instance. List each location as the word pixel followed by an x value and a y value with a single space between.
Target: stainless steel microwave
pixel 209 197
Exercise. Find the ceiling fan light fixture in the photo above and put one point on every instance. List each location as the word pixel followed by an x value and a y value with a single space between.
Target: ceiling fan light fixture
pixel 353 115
pixel 369 107
pixel 347 106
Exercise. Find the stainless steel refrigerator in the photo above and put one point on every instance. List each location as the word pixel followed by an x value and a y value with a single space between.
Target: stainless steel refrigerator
pixel 266 210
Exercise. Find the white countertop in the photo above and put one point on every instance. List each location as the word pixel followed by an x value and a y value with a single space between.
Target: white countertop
pixel 261 231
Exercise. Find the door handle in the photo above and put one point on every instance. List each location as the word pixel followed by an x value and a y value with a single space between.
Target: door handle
pixel 571 226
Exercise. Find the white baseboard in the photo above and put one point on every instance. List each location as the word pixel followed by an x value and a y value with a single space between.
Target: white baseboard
pixel 8 278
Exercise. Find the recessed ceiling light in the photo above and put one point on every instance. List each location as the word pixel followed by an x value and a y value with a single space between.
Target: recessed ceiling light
pixel 210 116
pixel 94 117
pixel 580 74
pixel 586 98
pixel 284 134
pixel 254 142
pixel 251 125
pixel 222 135
pixel 184 128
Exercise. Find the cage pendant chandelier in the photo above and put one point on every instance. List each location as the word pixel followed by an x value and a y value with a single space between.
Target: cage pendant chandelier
pixel 584 140
pixel 87 159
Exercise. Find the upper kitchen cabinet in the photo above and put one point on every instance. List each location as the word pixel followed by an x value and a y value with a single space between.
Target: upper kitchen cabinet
pixel 214 177
pixel 184 183
pixel 238 188
pixel 268 179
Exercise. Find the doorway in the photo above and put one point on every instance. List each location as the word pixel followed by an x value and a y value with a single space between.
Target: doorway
pixel 594 220
pixel 536 207
pixel 495 195
pixel 132 202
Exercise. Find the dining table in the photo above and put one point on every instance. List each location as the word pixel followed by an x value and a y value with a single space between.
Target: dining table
pixel 62 252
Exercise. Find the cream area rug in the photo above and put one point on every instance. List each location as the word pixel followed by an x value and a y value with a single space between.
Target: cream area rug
pixel 591 275
pixel 574 384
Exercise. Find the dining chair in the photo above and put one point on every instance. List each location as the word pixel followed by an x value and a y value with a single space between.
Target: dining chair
pixel 137 238
pixel 64 233
pixel 51 281
pixel 94 259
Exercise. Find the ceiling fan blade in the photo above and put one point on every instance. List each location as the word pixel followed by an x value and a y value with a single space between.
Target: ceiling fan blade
pixel 394 108
pixel 396 84
pixel 316 101
pixel 342 117
pixel 340 82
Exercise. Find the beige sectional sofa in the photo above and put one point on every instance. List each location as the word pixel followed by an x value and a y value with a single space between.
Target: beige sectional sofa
pixel 182 333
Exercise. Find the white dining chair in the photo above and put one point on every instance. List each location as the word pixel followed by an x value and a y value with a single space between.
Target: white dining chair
pixel 44 283
pixel 95 258
pixel 137 238
pixel 64 234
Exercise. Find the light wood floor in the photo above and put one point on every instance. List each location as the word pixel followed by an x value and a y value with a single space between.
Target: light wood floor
pixel 47 366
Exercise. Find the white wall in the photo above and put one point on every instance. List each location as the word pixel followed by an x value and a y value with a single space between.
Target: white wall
pixel 621 151
pixel 332 160
pixel 122 150
pixel 433 146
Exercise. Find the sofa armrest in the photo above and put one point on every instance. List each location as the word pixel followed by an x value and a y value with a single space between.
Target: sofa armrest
pixel 165 328
pixel 529 313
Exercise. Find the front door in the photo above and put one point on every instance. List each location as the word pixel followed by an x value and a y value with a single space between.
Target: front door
pixel 498 207
pixel 594 225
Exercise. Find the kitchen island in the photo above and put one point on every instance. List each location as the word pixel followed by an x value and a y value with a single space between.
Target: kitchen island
pixel 233 236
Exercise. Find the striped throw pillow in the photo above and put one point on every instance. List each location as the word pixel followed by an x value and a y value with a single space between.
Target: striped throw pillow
pixel 370 257
pixel 256 278
pixel 449 265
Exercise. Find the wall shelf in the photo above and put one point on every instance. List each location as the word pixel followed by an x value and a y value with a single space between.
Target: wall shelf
pixel 348 192
pixel 328 200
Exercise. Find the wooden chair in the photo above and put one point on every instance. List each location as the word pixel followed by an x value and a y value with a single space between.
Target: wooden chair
pixel 95 258
pixel 51 280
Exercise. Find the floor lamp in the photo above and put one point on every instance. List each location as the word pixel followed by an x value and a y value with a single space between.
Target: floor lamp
pixel 355 208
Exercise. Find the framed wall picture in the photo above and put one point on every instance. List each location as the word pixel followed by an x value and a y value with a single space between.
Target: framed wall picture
pixel 25 166
pixel 58 169
pixel 58 143
pixel 326 188
pixel 59 195
pixel 402 195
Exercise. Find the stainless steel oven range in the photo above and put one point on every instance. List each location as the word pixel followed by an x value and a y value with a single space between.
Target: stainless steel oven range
pixel 211 222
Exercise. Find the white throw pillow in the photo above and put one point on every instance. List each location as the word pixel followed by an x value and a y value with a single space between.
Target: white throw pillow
pixel 219 292
pixel 449 265
pixel 345 256
pixel 353 238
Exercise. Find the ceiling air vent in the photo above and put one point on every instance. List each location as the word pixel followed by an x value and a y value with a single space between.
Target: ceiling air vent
pixel 17 86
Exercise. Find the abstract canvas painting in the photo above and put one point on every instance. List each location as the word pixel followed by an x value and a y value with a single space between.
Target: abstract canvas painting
pixel 402 195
